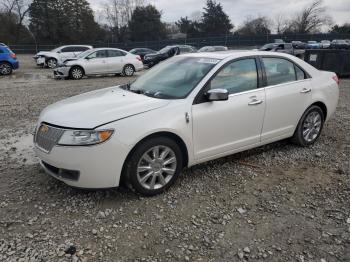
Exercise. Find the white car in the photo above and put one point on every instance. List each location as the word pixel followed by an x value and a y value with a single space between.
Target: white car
pixel 59 54
pixel 187 110
pixel 99 61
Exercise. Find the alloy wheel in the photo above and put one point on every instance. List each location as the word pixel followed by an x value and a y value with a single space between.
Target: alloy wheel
pixel 77 73
pixel 128 70
pixel 312 126
pixel 156 167
pixel 5 69
pixel 52 63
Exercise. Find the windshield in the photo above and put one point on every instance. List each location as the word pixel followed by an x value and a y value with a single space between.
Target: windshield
pixel 164 50
pixel 268 46
pixel 85 53
pixel 56 50
pixel 173 79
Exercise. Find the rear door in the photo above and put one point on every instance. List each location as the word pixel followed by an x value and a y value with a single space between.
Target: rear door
pixel 96 63
pixel 288 94
pixel 116 61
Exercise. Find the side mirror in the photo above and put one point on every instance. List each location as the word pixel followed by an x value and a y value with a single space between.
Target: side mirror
pixel 217 95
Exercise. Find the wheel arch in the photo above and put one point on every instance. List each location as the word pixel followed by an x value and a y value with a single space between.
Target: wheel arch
pixel 71 68
pixel 6 62
pixel 171 135
pixel 322 106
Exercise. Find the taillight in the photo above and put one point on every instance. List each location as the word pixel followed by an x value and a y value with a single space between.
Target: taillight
pixel 13 55
pixel 138 58
pixel 336 79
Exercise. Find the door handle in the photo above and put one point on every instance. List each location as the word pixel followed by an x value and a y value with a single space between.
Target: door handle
pixel 305 90
pixel 255 102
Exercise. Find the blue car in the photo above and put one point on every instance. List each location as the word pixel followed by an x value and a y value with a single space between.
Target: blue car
pixel 313 45
pixel 8 61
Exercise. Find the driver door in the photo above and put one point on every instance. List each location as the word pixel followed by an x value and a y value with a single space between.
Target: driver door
pixel 223 127
pixel 96 63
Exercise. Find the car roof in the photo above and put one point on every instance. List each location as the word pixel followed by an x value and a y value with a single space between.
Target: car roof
pixel 107 48
pixel 76 46
pixel 235 54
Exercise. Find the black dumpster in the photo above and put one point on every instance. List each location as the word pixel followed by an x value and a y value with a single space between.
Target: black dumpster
pixel 337 61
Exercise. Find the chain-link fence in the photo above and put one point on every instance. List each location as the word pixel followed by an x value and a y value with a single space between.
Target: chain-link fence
pixel 232 41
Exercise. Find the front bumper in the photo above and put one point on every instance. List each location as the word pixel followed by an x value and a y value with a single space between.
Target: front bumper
pixel 97 166
pixel 61 72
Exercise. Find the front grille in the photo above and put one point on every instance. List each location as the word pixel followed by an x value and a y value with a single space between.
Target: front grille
pixel 47 137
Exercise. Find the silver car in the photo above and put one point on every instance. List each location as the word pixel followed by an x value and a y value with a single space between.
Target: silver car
pixel 99 61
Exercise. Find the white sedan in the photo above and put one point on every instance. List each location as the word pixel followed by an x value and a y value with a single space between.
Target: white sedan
pixel 187 110
pixel 99 61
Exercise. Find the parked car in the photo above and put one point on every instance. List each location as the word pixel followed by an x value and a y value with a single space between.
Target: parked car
pixel 213 48
pixel 279 41
pixel 99 61
pixel 167 52
pixel 312 45
pixel 283 48
pixel 299 45
pixel 142 52
pixel 187 110
pixel 59 54
pixel 339 44
pixel 325 44
pixel 8 61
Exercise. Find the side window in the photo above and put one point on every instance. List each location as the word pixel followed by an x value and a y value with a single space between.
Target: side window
pixel 98 54
pixel 300 73
pixel 278 71
pixel 115 53
pixel 1 51
pixel 67 49
pixel 238 76
pixel 79 49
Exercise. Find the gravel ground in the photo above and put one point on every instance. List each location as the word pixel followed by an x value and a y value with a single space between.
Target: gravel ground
pixel 274 203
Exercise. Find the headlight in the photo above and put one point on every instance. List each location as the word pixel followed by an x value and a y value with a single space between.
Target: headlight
pixel 84 137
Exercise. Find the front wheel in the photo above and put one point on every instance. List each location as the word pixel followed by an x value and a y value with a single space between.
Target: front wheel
pixel 76 73
pixel 309 127
pixel 128 70
pixel 5 69
pixel 51 62
pixel 153 166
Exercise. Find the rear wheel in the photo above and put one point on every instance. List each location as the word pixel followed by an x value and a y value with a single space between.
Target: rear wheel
pixel 128 70
pixel 309 127
pixel 5 68
pixel 153 166
pixel 51 62
pixel 76 73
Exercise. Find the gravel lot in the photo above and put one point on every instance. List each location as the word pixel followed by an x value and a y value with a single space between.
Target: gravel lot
pixel 275 203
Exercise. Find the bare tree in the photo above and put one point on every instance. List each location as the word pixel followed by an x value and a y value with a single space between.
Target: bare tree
pixel 281 24
pixel 260 25
pixel 18 9
pixel 311 19
pixel 118 12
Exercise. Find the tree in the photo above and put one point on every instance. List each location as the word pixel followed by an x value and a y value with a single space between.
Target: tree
pixel 341 29
pixel 13 14
pixel 118 14
pixel 214 20
pixel 189 27
pixel 63 21
pixel 145 24
pixel 311 19
pixel 255 26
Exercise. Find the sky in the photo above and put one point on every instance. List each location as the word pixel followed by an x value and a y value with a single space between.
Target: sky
pixel 238 10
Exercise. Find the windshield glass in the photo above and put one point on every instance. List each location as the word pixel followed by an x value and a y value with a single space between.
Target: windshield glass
pixel 85 53
pixel 164 50
pixel 175 78
pixel 268 46
pixel 56 49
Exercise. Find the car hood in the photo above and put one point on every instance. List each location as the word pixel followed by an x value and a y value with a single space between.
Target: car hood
pixel 96 108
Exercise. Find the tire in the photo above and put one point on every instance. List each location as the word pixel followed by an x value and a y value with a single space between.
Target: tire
pixel 144 168
pixel 128 70
pixel 5 68
pixel 51 63
pixel 309 127
pixel 76 73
